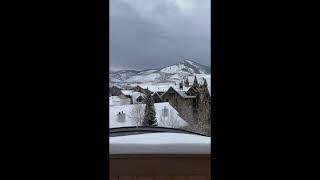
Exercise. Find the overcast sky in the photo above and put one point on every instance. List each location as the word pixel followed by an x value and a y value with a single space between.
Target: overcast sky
pixel 154 33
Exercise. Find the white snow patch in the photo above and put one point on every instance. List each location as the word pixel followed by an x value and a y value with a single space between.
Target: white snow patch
pixel 144 78
pixel 176 69
pixel 156 87
pixel 148 71
pixel 116 101
pixel 170 69
pixel 127 109
pixel 160 143
pixel 127 92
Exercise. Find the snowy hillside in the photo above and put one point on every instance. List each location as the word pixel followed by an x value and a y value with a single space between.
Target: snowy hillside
pixel 122 76
pixel 186 66
pixel 170 73
pixel 144 77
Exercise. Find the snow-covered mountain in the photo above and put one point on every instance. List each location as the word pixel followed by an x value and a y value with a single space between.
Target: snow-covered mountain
pixel 187 66
pixel 170 73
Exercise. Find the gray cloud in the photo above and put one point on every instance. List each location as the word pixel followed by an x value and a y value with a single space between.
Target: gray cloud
pixel 153 33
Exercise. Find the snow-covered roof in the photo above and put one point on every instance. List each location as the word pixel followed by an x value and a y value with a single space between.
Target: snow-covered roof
pixel 164 86
pixel 129 121
pixel 117 101
pixel 127 92
pixel 160 143
pixel 156 88
pixel 181 93
pixel 161 87
pixel 184 95
pixel 184 88
pixel 155 93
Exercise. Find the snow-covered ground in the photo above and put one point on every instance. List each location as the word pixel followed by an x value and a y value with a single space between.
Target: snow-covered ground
pixel 175 68
pixel 148 71
pixel 143 78
pixel 116 101
pixel 160 143
pixel 172 120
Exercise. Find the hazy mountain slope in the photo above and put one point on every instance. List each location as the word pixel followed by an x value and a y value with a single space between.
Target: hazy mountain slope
pixel 169 73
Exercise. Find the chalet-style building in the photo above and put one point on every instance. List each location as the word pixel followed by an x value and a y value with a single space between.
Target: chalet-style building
pixel 202 108
pixel 182 102
pixel 156 97
pixel 192 104
pixel 141 90
pixel 135 97
pixel 128 94
pixel 138 97
pixel 138 89
pixel 124 98
pixel 114 91
pixel 160 93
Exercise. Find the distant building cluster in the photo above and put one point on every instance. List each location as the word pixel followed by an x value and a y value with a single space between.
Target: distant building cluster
pixel 192 102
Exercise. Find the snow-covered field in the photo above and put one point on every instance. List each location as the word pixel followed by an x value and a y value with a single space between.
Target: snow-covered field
pixel 143 78
pixel 172 119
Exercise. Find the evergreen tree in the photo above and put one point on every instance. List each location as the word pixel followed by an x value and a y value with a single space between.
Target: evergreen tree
pixel 149 118
pixel 195 82
pixel 205 84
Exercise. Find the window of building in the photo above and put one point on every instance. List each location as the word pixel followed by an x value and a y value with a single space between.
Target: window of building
pixel 139 77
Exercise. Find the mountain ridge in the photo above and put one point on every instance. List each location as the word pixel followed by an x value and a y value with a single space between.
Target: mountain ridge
pixel 176 71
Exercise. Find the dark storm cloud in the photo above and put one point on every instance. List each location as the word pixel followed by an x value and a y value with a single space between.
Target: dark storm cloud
pixel 153 33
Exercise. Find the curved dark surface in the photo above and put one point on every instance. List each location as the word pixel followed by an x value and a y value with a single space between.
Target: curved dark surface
pixel 132 130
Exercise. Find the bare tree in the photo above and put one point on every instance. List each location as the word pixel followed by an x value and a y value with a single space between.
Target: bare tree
pixel 200 126
pixel 137 114
pixel 170 121
pixel 199 122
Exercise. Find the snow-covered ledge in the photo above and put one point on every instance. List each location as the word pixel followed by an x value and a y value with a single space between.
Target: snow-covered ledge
pixel 160 143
